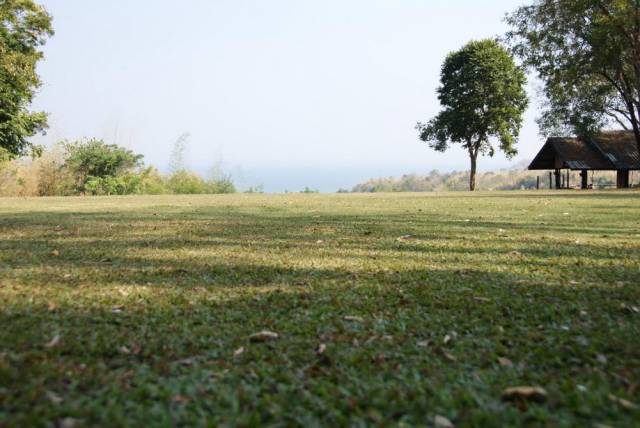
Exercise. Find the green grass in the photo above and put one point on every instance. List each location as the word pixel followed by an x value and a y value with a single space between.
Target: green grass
pixel 132 311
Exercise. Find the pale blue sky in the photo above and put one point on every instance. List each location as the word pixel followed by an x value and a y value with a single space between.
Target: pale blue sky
pixel 288 93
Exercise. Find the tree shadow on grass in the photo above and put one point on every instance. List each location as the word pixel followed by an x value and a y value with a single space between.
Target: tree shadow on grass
pixel 188 352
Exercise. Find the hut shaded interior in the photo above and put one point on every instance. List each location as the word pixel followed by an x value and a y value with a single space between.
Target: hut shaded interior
pixel 609 151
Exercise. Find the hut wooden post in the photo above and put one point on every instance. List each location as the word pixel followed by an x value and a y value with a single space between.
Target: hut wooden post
pixel 550 181
pixel 558 176
pixel 538 182
pixel 622 181
pixel 584 176
pixel 568 179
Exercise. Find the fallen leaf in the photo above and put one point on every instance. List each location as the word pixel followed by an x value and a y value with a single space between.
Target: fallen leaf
pixel 125 350
pixel 187 361
pixel 55 253
pixel 529 393
pixel 442 422
pixel 449 357
pixel 238 351
pixel 405 238
pixel 53 397
pixel 447 339
pixel 481 299
pixel 321 348
pixel 505 362
pixel 353 318
pixel 264 336
pixel 68 423
pixel 423 344
pixel 622 402
pixel 53 342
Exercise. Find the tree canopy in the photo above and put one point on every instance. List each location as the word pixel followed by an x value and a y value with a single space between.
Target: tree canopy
pixel 24 28
pixel 96 159
pixel 587 53
pixel 483 97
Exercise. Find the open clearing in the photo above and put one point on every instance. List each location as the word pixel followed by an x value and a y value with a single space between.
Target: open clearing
pixel 389 309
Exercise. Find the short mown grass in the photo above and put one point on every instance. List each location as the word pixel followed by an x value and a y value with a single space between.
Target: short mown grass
pixel 390 310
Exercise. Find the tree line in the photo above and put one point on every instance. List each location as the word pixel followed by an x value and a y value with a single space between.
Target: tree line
pixel 93 167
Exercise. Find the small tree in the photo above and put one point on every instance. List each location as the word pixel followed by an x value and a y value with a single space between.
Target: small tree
pixel 483 95
pixel 96 159
pixel 24 28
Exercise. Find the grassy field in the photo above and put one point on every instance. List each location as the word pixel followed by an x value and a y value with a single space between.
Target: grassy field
pixel 389 310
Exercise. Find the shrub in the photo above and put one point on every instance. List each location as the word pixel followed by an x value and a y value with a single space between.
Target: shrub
pixel 96 159
pixel 186 182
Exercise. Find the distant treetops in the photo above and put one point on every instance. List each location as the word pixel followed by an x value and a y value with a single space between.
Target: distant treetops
pixel 482 92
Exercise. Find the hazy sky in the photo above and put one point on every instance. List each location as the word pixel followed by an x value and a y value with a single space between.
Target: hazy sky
pixel 295 93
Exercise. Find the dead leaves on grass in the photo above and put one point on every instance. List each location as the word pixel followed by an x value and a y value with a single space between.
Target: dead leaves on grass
pixel 53 342
pixel 525 393
pixel 505 362
pixel 623 402
pixel 264 336
pixel 442 422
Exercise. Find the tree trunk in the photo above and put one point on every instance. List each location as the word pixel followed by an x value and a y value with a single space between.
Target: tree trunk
pixel 636 130
pixel 472 173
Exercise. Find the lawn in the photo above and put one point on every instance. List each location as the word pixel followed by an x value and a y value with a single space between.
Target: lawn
pixel 376 310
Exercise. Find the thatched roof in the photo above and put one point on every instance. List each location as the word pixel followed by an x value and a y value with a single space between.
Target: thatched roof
pixel 608 151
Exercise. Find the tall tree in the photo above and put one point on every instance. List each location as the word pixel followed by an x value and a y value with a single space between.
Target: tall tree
pixel 587 53
pixel 24 28
pixel 483 97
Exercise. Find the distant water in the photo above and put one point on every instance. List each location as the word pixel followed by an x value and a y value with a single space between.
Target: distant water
pixel 326 180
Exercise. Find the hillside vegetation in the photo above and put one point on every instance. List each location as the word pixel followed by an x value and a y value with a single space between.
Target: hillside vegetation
pixel 507 179
pixel 308 310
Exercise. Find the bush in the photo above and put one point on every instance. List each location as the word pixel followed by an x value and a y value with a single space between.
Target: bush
pixel 96 159
pixel 186 182
pixel 124 185
pixel 154 183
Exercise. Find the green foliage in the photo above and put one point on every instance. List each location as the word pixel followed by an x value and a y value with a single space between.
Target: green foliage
pixel 125 184
pixel 223 185
pixel 309 190
pixel 94 159
pixel 483 95
pixel 586 53
pixel 95 168
pixel 143 315
pixel 153 182
pixel 186 182
pixel 24 28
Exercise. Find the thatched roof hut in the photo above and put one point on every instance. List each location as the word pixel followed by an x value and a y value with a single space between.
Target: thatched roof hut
pixel 609 151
